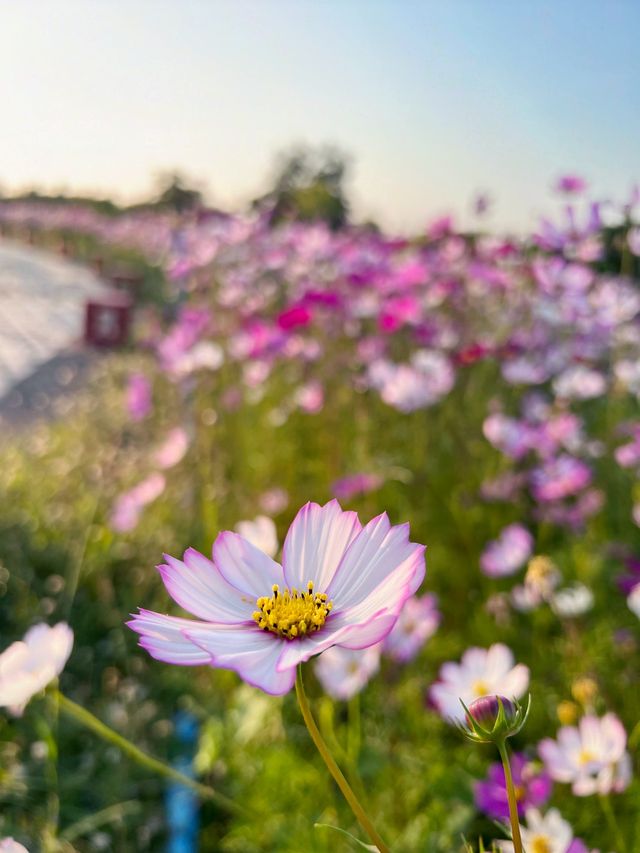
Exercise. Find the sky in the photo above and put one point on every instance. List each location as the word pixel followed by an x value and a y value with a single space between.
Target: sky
pixel 433 101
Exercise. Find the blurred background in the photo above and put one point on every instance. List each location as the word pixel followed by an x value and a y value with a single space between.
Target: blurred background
pixel 259 253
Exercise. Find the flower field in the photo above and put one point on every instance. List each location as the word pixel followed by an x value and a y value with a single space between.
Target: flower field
pixel 474 394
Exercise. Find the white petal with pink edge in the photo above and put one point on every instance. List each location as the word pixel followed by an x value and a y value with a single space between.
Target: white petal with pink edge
pixel 316 543
pixel 252 653
pixel 162 636
pixel 197 585
pixel 245 566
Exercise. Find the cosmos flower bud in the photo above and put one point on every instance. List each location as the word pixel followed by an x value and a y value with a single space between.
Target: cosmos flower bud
pixel 493 719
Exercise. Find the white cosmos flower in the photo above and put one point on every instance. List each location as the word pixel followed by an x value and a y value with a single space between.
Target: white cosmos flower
pixel 591 756
pixel 572 601
pixel 261 532
pixel 344 672
pixel 9 845
pixel 633 600
pixel 549 833
pixel 481 672
pixel 28 665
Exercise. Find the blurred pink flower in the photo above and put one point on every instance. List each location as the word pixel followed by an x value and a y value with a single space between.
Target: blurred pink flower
pixel 138 397
pixel 348 487
pixel 173 449
pixel 417 622
pixel 571 184
pixel 508 553
pixel 128 507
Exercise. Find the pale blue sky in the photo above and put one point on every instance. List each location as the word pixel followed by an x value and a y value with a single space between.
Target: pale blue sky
pixel 434 100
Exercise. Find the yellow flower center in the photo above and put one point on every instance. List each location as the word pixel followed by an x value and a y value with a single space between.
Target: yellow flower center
pixel 585 757
pixel 480 688
pixel 540 844
pixel 291 613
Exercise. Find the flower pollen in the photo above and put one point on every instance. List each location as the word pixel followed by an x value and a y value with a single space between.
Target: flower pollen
pixel 540 844
pixel 292 613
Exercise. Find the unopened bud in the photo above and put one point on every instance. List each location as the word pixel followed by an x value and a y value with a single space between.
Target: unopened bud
pixel 492 719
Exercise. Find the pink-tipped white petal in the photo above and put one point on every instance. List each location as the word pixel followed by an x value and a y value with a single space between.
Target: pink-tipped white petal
pixel 253 654
pixel 197 585
pixel 316 543
pixel 245 566
pixel 380 562
pixel 163 637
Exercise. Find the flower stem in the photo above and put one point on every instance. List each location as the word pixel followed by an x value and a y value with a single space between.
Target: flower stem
pixel 87 719
pixel 333 768
pixel 511 796
pixel 616 835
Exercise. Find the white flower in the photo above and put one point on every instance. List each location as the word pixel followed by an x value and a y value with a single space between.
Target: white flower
pixel 548 833
pixel 633 600
pixel 9 845
pixel 261 532
pixel 591 756
pixel 481 672
pixel 572 601
pixel 27 666
pixel 579 382
pixel 344 672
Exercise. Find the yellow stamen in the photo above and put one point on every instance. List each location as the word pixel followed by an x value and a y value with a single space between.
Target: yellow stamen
pixel 480 688
pixel 290 613
pixel 585 757
pixel 540 844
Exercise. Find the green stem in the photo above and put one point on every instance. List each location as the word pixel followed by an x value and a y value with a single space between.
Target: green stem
pixel 616 835
pixel 87 719
pixel 511 796
pixel 333 768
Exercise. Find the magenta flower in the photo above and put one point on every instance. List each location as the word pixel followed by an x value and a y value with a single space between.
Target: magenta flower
pixel 340 584
pixel 532 786
pixel 509 552
pixel 571 184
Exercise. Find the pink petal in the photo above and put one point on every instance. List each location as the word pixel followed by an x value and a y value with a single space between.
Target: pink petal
pixel 197 585
pixel 162 636
pixel 245 566
pixel 252 653
pixel 316 542
pixel 381 559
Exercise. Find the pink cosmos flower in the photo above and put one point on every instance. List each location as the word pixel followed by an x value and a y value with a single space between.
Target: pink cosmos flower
pixel 173 448
pixel 128 507
pixel 345 672
pixel 481 672
pixel 558 478
pixel 340 584
pixel 571 184
pixel 261 532
pixel 356 484
pixel 591 756
pixel 27 666
pixel 509 552
pixel 418 620
pixel 138 396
